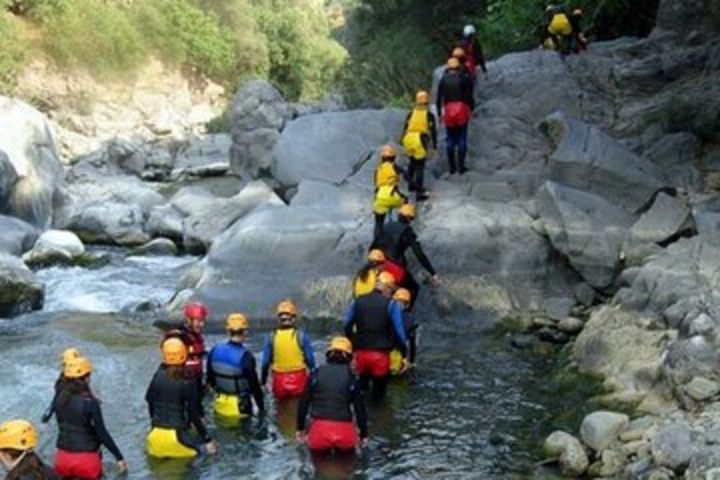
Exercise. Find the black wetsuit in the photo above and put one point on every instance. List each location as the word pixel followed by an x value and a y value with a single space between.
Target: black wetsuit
pixel 394 241
pixel 80 423
pixel 173 404
pixel 455 86
pixel 330 392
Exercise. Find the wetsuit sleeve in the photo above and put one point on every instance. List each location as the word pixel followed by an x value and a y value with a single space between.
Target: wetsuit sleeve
pixel 308 351
pixel 304 404
pixel 50 410
pixel 209 372
pixel 193 410
pixel 439 99
pixel 149 397
pixel 96 420
pixel 267 353
pixel 419 253
pixel 254 382
pixel 407 122
pixel 349 321
pixel 433 129
pixel 359 408
pixel 479 57
pixel 395 312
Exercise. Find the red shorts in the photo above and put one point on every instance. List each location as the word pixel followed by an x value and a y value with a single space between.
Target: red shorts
pixel 395 269
pixel 83 465
pixel 375 363
pixel 289 384
pixel 329 434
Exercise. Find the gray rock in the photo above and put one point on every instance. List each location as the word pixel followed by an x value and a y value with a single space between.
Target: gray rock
pixel 586 229
pixel 157 246
pixel 29 144
pixel 558 308
pixel 705 463
pixel 600 429
pixel 16 236
pixel 692 357
pixel 584 294
pixel 47 255
pixel 570 325
pixel 568 449
pixel 352 200
pixel 676 154
pixel 63 239
pixel 20 290
pixel 588 159
pixel 204 155
pixel 685 16
pixel 331 146
pixel 701 389
pixel 552 335
pixel 8 177
pixel 666 218
pixel 613 462
pixel 252 152
pixel 673 447
pixel 112 222
pixel 165 221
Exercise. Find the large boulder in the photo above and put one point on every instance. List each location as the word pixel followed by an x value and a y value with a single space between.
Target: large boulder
pixel 586 229
pixel 62 239
pixel 8 177
pixel 331 146
pixel 16 236
pixel 590 160
pixel 666 218
pixel 111 222
pixel 204 156
pixel 28 141
pixel 20 290
pixel 687 16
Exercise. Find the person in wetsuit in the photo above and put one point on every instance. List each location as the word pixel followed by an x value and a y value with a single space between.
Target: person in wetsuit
pixel 473 51
pixel 454 105
pixel 419 134
pixel 365 279
pixel 374 324
pixel 331 396
pixel 81 426
pixel 231 373
pixel 67 355
pixel 395 239
pixel 18 439
pixel 403 297
pixel 289 353
pixel 172 400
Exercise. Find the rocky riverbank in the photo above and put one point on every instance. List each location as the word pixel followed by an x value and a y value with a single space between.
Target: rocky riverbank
pixel 591 215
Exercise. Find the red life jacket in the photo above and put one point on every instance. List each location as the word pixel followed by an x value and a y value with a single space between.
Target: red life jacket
pixel 456 114
pixel 470 64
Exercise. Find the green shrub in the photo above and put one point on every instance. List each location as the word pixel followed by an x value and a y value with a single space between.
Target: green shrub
pixel 11 55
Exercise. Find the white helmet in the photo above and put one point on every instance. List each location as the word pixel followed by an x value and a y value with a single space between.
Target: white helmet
pixel 469 30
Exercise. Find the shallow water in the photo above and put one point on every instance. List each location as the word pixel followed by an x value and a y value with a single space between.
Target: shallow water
pixel 477 408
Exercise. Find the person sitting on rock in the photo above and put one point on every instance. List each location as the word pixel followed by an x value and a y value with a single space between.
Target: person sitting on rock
pixel 403 297
pixel 366 277
pixel 419 131
pixel 473 54
pixel 289 351
pixel 374 324
pixel 387 192
pixel 172 399
pixel 454 105
pixel 67 355
pixel 231 373
pixel 331 397
pixel 18 439
pixel 395 239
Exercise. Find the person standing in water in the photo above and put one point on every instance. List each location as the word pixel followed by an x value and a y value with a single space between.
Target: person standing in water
pixel 18 439
pixel 67 355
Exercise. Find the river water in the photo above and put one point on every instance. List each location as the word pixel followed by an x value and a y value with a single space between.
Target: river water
pixel 477 408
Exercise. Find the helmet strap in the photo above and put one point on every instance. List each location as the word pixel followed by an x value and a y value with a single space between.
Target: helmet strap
pixel 11 464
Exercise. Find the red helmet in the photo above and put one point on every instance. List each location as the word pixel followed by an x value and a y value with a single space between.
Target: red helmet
pixel 196 311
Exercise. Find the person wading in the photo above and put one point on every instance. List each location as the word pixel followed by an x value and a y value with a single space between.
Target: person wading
pixel 232 375
pixel 67 355
pixel 403 297
pixel 18 439
pixel 172 400
pixel 374 324
pixel 366 278
pixel 288 351
pixel 331 397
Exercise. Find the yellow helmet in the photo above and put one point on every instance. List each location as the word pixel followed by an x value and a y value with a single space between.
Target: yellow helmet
pixel 286 307
pixel 386 278
pixel 236 321
pixel 174 351
pixel 77 368
pixel 403 295
pixel 69 354
pixel 376 255
pixel 18 435
pixel 340 344
pixel 453 63
pixel 458 53
pixel 388 151
pixel 422 97
pixel 407 210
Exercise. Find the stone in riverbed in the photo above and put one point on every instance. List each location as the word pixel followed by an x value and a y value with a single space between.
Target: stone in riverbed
pixel 673 447
pixel 570 325
pixel 569 451
pixel 157 246
pixel 20 290
pixel 700 388
pixel 600 429
pixel 62 239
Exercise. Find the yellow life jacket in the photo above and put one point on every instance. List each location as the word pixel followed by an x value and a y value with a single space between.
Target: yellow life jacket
pixel 228 406
pixel 413 146
pixel 287 353
pixel 385 174
pixel 395 362
pixel 386 199
pixel 364 287
pixel 560 25
pixel 419 121
pixel 163 443
pixel 549 44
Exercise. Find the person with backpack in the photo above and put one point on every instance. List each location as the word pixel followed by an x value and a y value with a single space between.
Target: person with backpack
pixel 418 133
pixel 473 54
pixel 454 105
pixel 365 279
pixel 387 187
pixel 289 352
